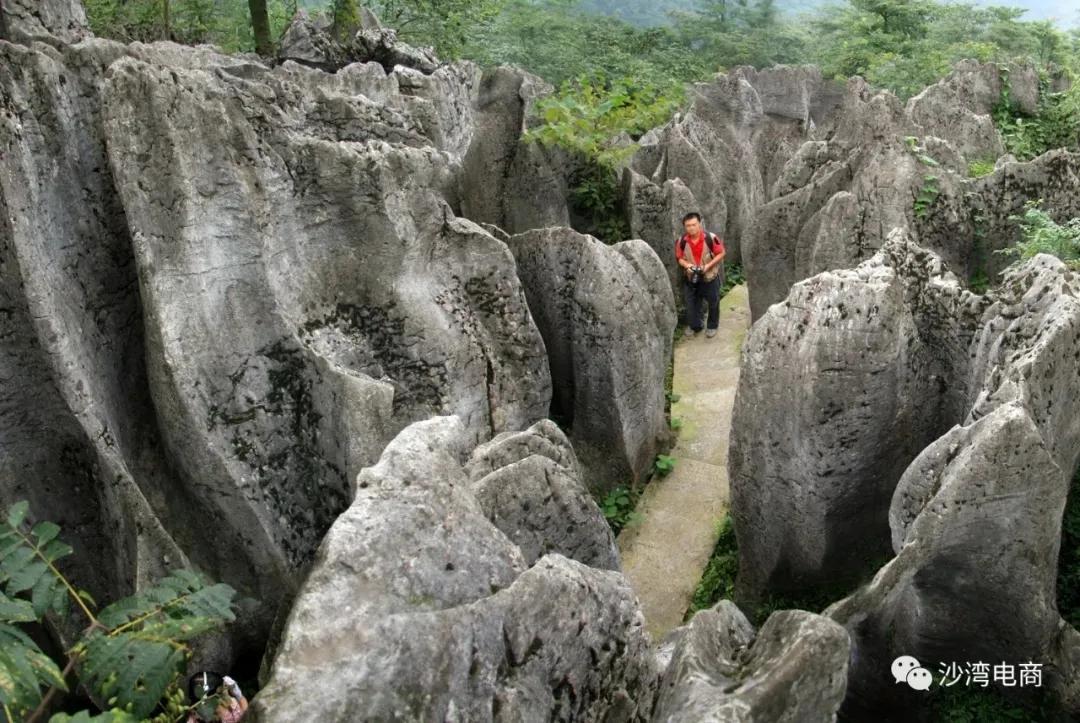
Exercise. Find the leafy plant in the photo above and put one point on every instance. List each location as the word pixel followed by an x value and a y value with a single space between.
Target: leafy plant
pixel 961 703
pixel 1041 234
pixel 676 423
pixel 597 121
pixel 733 276
pixel 718 581
pixel 130 654
pixel 1055 124
pixel 663 465
pixel 980 167
pixel 618 508
pixel 673 397
pixel 928 194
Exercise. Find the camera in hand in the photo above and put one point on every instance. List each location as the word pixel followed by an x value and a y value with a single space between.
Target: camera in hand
pixel 696 274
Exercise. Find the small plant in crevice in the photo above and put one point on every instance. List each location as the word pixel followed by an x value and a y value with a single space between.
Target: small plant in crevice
pixel 980 167
pixel 663 465
pixel 1040 234
pixel 718 581
pixel 733 276
pixel 927 195
pixel 618 508
pixel 920 153
pixel 130 656
pixel 676 423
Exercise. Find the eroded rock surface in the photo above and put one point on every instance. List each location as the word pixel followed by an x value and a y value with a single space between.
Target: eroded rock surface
pixel 607 316
pixel 725 152
pixel 531 487
pixel 49 21
pixel 792 669
pixel 883 165
pixel 968 489
pixel 228 287
pixel 450 624
pixel 876 366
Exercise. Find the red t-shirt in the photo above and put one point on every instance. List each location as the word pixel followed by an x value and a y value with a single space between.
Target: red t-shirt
pixel 697 245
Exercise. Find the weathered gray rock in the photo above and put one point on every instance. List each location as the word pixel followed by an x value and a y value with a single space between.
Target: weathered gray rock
pixel 976 523
pixel 530 486
pixel 881 166
pixel 656 214
pixel 78 436
pixel 434 617
pixel 50 21
pixel 958 107
pixel 312 42
pixel 982 390
pixel 727 149
pixel 793 669
pixel 607 318
pixel 875 371
pixel 281 360
pixel 309 42
pixel 199 337
pixel 513 184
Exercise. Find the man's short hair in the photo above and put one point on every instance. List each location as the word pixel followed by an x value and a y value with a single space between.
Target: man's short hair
pixel 692 214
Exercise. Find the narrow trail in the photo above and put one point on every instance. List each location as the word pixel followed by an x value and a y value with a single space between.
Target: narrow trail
pixel 665 554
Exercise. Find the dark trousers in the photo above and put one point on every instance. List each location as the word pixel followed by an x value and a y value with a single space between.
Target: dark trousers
pixel 696 296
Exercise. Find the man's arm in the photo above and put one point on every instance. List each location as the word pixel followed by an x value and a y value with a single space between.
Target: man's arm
pixel 718 255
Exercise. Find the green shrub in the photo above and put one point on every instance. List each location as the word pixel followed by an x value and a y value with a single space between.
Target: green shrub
pixel 618 508
pixel 1056 123
pixel 597 120
pixel 928 194
pixel 131 654
pixel 1041 234
pixel 718 581
pixel 733 276
pixel 980 167
pixel 663 465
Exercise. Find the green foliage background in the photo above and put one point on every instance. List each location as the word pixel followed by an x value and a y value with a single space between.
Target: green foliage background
pixel 130 656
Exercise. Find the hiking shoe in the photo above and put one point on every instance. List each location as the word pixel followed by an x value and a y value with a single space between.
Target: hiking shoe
pixel 710 333
pixel 689 333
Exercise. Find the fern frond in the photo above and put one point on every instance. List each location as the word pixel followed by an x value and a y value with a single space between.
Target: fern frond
pixel 24 669
pixel 181 594
pixel 129 672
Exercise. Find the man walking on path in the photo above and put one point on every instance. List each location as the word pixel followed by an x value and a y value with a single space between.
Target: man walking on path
pixel 701 256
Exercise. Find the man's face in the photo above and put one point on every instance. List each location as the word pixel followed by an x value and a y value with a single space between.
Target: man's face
pixel 692 226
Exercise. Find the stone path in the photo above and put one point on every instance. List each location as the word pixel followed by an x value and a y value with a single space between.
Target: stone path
pixel 665 554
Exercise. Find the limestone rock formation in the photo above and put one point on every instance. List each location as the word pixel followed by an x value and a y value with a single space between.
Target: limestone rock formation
pixel 531 487
pixel 49 21
pixel 513 184
pixel 434 615
pixel 883 165
pixel 876 379
pixel 229 287
pixel 477 115
pixel 607 317
pixel 792 669
pixel 727 150
pixel 967 490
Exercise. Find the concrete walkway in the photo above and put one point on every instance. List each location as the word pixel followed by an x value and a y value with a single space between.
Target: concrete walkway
pixel 665 554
